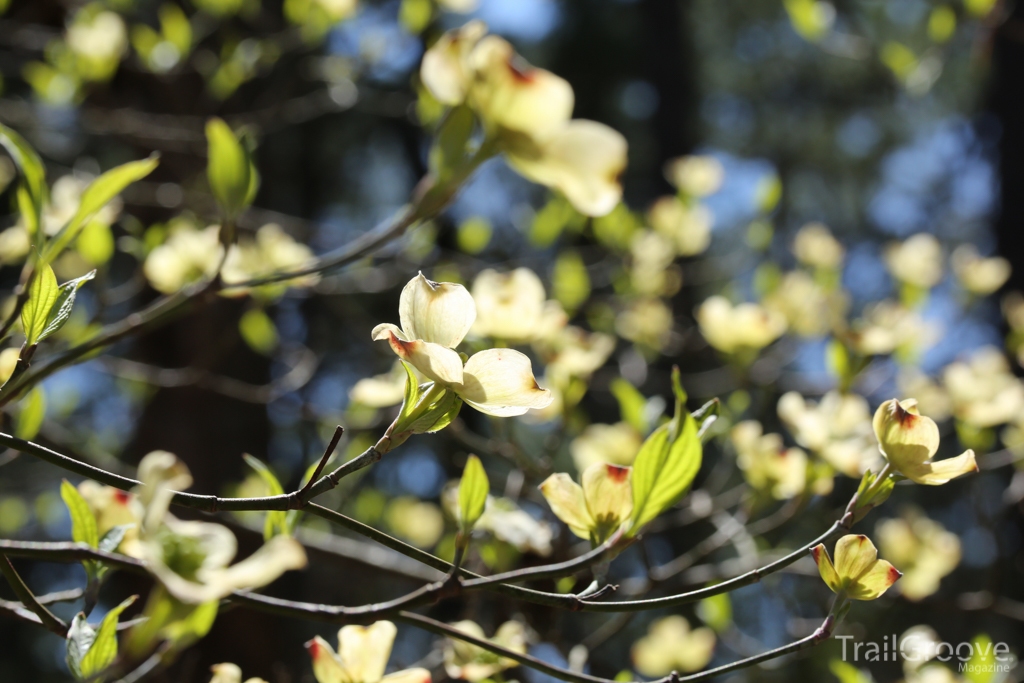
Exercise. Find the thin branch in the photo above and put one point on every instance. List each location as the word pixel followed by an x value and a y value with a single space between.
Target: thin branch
pixel 822 633
pixel 304 492
pixel 46 617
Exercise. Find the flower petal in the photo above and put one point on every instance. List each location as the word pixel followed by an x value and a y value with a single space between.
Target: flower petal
pixel 365 650
pixel 445 70
pixel 509 306
pixel 384 331
pixel 906 438
pixel 226 673
pixel 416 675
pixel 567 502
pixel 435 362
pixel 874 581
pixel 936 473
pixel 512 95
pixel 273 558
pixel 608 493
pixel 855 555
pixel 500 382
pixel 583 160
pixel 327 667
pixel 825 567
pixel 436 312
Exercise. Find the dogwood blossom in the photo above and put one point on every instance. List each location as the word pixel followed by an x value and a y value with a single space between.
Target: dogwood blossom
pixel 857 572
pixel 435 318
pixel 362 657
pixel 597 508
pixel 527 112
pixel 909 441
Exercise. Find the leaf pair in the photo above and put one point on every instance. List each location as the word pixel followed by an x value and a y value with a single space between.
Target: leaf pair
pixel 85 530
pixel 89 651
pixel 49 305
pixel 229 169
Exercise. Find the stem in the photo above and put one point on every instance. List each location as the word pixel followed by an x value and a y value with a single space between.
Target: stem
pixel 820 634
pixel 46 617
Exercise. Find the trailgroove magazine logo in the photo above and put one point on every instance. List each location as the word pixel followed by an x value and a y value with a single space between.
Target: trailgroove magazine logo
pixel 919 647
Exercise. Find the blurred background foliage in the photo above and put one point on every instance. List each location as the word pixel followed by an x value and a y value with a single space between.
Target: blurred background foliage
pixel 879 119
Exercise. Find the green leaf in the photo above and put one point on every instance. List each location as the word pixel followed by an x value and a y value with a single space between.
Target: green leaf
pixel 716 611
pixel 632 404
pixel 104 647
pixel 276 520
pixel 32 170
pixel 473 490
pixel 95 197
pixel 176 28
pixel 570 281
pixel 80 638
pixel 60 311
pixel 42 292
pixel 258 331
pixel 449 147
pixel 96 243
pixel 474 234
pixel 32 414
pixel 667 463
pixel 194 624
pixel 981 667
pixel 83 522
pixel 848 673
pixel 228 169
pixel 113 537
pixel 412 393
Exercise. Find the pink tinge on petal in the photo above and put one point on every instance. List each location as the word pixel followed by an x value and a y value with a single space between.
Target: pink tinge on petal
pixel 816 552
pixel 894 575
pixel 122 497
pixel 617 473
pixel 313 648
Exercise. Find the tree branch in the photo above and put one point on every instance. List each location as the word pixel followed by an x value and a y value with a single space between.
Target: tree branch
pixel 46 617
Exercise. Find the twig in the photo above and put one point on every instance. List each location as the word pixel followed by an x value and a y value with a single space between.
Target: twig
pixel 328 452
pixel 46 617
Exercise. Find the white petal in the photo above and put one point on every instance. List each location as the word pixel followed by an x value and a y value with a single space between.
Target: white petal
pixel 436 312
pixel 365 650
pixel 274 558
pixel 327 667
pixel 434 361
pixel 445 70
pixel 510 94
pixel 500 382
pixel 409 676
pixel 565 497
pixel 583 160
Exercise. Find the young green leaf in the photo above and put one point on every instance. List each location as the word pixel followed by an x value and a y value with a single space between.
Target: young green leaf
pixel 666 464
pixel 412 393
pixel 99 193
pixel 113 537
pixel 632 404
pixel 80 638
pixel 60 311
pixel 42 293
pixel 83 522
pixel 276 521
pixel 228 168
pixel 33 412
pixel 104 646
pixel 32 170
pixel 473 490
pixel 258 331
pixel 450 143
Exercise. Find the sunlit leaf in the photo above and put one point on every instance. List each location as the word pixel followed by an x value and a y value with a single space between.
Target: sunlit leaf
pixel 473 490
pixel 61 309
pixel 83 522
pixel 32 414
pixel 228 168
pixel 104 647
pixel 258 331
pixel 276 521
pixel 42 293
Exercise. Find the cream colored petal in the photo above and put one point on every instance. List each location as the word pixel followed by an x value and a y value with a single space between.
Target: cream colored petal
pixel 435 362
pixel 825 567
pixel 906 438
pixel 608 493
pixel 384 331
pixel 855 555
pixel 445 70
pixel 509 305
pixel 567 502
pixel 509 94
pixel 873 582
pixel 327 667
pixel 512 636
pixel 699 649
pixel 365 650
pixel 500 382
pixel 275 557
pixel 226 673
pixel 436 312
pixel 940 472
pixel 216 542
pixel 161 473
pixel 416 675
pixel 583 160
